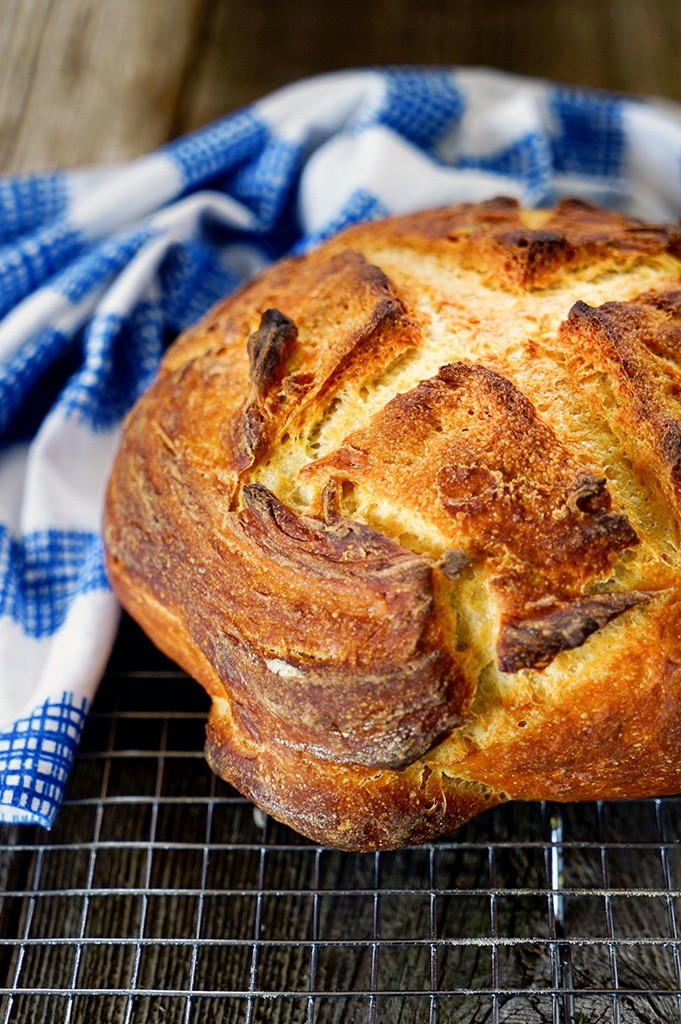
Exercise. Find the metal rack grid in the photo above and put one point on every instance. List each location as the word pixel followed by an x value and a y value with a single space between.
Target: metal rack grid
pixel 161 896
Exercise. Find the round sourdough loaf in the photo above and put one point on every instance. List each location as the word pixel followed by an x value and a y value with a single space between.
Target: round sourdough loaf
pixel 408 508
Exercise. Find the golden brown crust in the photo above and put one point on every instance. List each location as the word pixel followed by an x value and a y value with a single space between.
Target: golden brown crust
pixel 408 506
pixel 539 523
pixel 637 346
pixel 345 804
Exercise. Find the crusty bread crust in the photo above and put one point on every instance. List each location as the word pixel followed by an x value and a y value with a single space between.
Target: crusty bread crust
pixel 408 508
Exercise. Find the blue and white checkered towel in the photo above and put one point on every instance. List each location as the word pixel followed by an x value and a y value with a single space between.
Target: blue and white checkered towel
pixel 100 268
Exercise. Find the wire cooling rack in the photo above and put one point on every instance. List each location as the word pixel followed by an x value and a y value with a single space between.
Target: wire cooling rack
pixel 161 897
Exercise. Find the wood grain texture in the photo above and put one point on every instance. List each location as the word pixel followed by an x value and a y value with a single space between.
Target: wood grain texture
pixel 85 81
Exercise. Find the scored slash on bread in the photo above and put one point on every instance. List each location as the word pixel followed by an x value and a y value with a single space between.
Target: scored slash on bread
pixel 407 507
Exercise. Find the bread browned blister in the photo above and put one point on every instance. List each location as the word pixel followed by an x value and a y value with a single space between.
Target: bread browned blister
pixel 407 506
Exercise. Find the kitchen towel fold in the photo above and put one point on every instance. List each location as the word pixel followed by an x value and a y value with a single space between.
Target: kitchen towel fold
pixel 101 267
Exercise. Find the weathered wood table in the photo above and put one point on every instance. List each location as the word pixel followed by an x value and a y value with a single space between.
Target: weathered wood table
pixel 92 81
pixel 159 896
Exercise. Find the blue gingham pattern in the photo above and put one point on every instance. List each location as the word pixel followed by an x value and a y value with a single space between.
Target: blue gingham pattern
pixel 36 754
pixel 101 267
